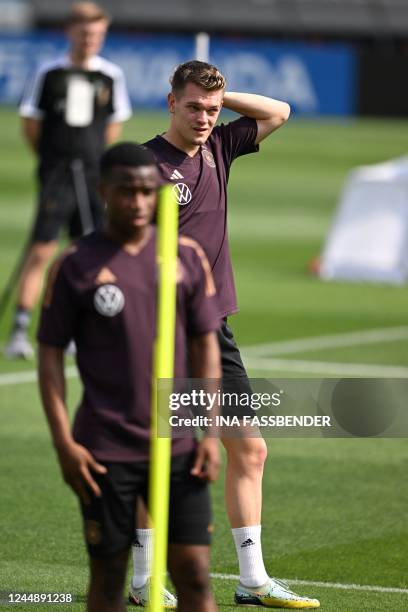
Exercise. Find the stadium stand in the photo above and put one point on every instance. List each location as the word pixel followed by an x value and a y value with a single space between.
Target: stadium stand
pixel 328 17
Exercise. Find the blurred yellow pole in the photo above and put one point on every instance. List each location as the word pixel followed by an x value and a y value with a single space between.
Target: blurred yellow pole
pixel 160 449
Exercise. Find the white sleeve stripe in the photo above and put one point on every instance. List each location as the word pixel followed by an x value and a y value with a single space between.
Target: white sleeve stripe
pixel 30 112
pixel 122 109
pixel 32 93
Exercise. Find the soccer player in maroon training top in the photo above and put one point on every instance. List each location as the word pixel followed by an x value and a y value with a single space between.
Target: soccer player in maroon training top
pixel 102 293
pixel 195 156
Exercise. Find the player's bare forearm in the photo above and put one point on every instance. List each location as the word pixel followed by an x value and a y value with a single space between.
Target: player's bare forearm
pixel 270 114
pixel 32 132
pixel 112 132
pixel 205 363
pixel 76 462
pixel 52 386
pixel 205 360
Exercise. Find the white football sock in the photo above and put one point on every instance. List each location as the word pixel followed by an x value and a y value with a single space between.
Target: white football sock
pixel 252 572
pixel 142 557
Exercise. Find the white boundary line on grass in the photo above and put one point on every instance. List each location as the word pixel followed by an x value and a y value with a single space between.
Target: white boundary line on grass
pixel 260 365
pixel 16 378
pixel 327 585
pixel 257 357
pixel 326 367
pixel 315 343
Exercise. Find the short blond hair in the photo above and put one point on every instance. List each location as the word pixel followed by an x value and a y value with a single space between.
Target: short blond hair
pixel 87 12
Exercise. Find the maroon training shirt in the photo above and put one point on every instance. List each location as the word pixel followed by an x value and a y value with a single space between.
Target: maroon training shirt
pixel 200 186
pixel 105 299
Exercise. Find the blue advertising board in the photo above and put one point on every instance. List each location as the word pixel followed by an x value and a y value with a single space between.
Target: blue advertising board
pixel 314 79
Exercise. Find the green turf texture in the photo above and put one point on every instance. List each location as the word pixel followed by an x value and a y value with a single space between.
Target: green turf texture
pixel 334 510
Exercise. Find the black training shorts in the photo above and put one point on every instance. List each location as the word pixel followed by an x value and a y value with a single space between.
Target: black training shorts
pixel 234 377
pixel 58 205
pixel 109 521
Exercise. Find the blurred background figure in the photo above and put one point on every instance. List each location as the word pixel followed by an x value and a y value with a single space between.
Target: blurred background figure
pixel 71 108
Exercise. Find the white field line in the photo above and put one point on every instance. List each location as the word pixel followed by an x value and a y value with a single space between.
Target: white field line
pixel 255 357
pixel 16 378
pixel 326 367
pixel 327 585
pixel 261 365
pixel 315 343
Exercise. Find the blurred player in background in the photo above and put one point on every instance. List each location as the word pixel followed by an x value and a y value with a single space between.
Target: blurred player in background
pixel 195 156
pixel 71 108
pixel 102 292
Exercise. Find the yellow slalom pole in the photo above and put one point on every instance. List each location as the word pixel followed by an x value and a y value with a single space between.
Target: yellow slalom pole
pixel 160 448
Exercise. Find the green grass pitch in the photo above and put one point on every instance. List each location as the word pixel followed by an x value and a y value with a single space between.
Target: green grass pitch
pixel 334 511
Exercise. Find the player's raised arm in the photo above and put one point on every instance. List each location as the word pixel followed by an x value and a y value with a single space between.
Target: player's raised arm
pixel 269 114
